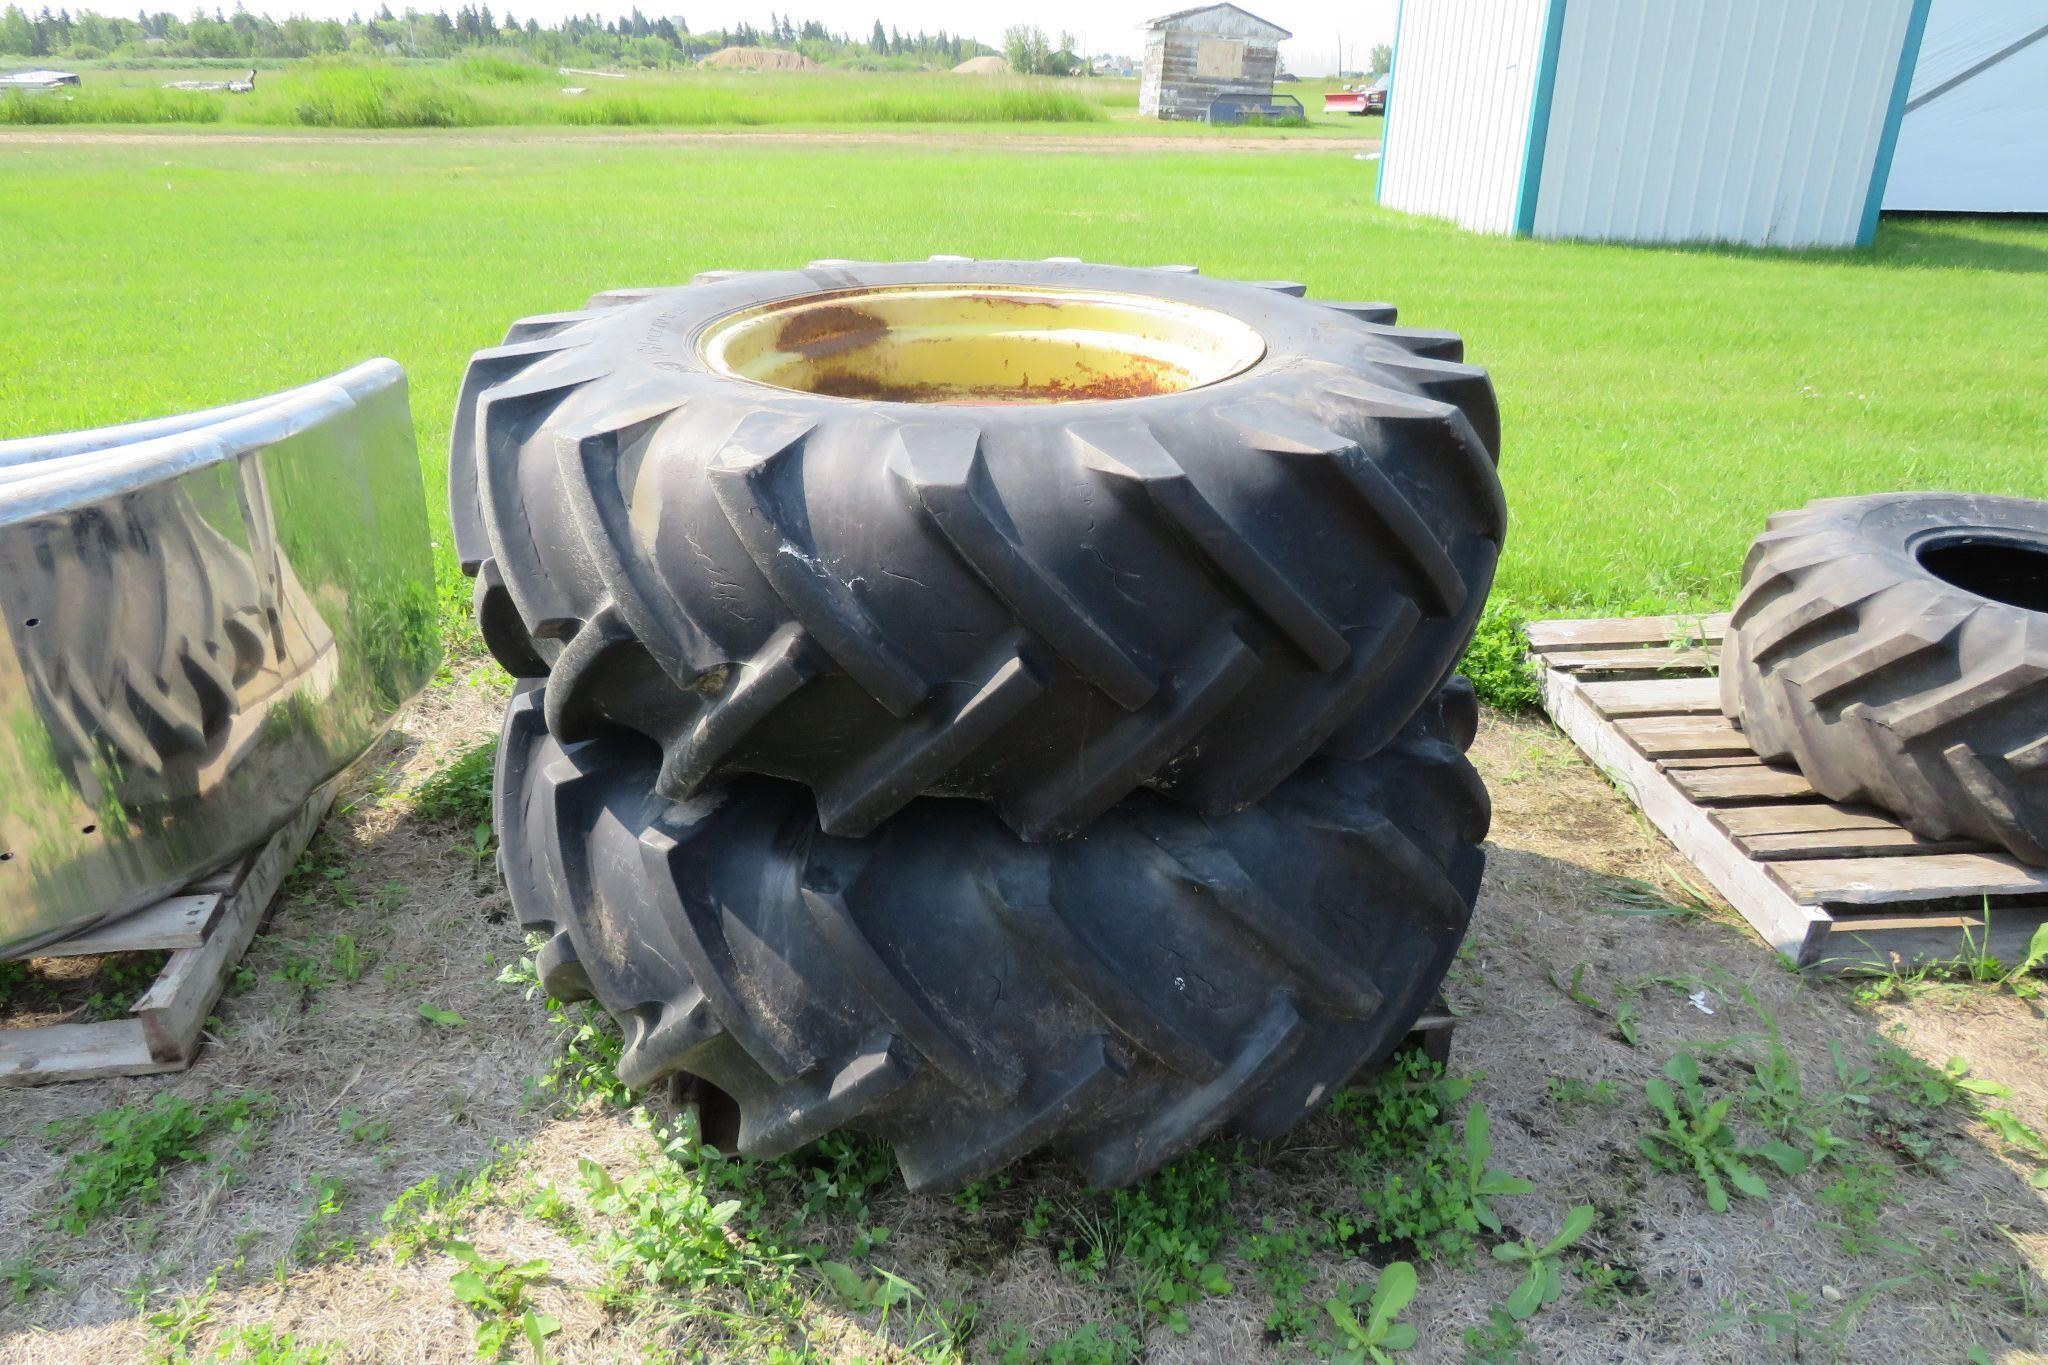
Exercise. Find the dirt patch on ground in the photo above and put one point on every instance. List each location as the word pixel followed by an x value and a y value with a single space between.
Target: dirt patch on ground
pixel 369 1098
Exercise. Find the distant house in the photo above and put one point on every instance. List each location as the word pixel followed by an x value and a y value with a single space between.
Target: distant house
pixel 1193 57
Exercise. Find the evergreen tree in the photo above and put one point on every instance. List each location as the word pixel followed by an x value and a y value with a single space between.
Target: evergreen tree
pixel 16 33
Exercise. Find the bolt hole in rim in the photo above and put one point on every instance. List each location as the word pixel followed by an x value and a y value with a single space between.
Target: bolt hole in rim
pixel 980 344
pixel 2004 569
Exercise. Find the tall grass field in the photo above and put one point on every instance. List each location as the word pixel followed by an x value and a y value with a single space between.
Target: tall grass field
pixel 492 91
pixel 1657 404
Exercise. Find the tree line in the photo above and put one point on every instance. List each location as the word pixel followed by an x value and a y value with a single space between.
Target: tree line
pixel 635 40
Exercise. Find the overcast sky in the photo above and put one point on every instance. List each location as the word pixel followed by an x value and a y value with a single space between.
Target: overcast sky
pixel 1101 27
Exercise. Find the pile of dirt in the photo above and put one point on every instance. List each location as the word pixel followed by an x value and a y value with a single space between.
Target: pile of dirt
pixel 983 66
pixel 758 59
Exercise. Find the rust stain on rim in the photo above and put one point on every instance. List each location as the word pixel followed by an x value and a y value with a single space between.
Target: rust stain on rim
pixel 980 345
pixel 819 333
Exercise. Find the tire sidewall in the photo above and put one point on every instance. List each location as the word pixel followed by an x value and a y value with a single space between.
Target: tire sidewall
pixel 1898 530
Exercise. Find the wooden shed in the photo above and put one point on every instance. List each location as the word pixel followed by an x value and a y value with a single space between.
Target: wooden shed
pixel 1195 56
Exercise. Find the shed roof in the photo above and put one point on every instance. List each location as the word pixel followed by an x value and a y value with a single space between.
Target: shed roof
pixel 1181 18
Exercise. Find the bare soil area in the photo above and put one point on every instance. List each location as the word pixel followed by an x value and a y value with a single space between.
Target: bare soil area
pixel 1921 1240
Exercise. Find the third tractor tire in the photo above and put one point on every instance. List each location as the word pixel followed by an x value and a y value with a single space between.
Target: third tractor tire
pixel 1031 533
pixel 1896 649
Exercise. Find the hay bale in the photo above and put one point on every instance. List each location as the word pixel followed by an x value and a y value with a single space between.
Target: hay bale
pixel 983 66
pixel 758 59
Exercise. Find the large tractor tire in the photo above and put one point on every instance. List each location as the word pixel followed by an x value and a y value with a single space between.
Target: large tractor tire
pixel 971 998
pixel 1035 534
pixel 1896 649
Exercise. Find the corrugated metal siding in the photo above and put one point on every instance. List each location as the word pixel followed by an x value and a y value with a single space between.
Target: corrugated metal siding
pixel 1753 121
pixel 1975 137
pixel 1464 75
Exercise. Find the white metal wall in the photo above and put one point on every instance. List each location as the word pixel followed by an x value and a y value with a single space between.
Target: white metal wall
pixel 1979 145
pixel 1754 121
pixel 1458 109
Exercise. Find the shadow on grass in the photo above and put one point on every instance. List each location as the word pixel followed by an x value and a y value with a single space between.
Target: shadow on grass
pixel 1919 241
pixel 1941 239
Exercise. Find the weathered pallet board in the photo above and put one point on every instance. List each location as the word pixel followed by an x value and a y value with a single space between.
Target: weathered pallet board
pixel 1651 660
pixel 1656 697
pixel 1555 637
pixel 1688 763
pixel 1776 831
pixel 1830 886
pixel 1734 783
pixel 179 921
pixel 207 928
pixel 1684 736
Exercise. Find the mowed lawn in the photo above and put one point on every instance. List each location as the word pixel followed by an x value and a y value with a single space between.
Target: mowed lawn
pixel 1658 403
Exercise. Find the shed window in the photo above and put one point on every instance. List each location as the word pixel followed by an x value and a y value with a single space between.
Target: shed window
pixel 1220 57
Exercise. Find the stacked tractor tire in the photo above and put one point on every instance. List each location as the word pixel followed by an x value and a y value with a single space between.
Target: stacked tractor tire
pixel 993 706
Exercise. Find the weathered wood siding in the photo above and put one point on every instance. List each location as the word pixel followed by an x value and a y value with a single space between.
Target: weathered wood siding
pixel 1181 79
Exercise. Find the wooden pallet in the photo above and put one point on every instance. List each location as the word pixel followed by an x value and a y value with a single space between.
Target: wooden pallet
pixel 1830 886
pixel 206 928
pixel 1432 1033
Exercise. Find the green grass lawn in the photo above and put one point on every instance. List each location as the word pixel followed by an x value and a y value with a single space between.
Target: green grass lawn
pixel 1658 403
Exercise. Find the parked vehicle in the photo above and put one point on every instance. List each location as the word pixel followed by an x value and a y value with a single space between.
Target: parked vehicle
pixel 1357 99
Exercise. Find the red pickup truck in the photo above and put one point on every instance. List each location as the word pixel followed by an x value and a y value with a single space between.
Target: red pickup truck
pixel 1363 99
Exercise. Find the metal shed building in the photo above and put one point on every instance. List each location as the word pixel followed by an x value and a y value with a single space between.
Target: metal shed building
pixel 1193 57
pixel 1975 134
pixel 1766 122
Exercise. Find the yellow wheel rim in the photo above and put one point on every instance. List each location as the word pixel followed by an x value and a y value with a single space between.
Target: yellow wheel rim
pixel 980 344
